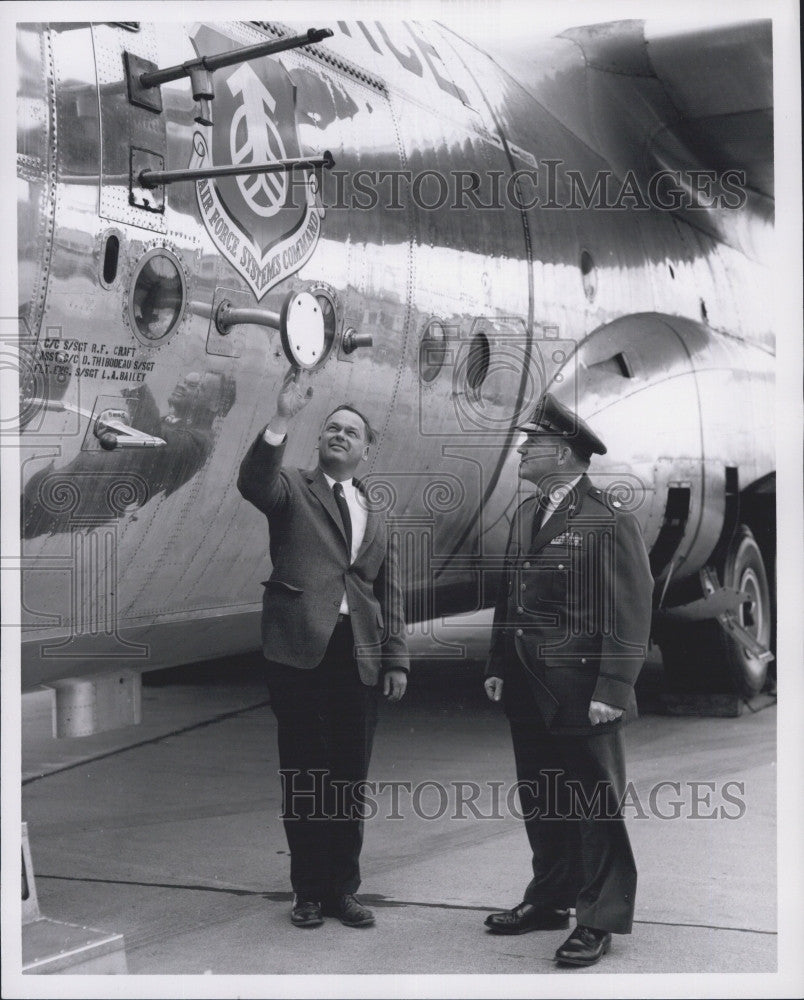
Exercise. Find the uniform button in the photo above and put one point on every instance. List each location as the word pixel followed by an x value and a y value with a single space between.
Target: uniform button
pixel 527 565
pixel 523 586
pixel 561 565
pixel 583 659
pixel 519 611
pixel 519 631
pixel 336 604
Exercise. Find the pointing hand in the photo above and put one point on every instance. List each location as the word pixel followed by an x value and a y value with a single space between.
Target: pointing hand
pixel 292 399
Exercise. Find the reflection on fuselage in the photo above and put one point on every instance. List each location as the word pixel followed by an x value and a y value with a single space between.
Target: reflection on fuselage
pixel 56 501
pixel 632 317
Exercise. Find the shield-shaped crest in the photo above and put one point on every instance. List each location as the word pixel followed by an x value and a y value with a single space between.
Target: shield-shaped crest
pixel 265 225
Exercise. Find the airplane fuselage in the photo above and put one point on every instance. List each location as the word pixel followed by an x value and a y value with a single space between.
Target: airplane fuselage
pixel 460 228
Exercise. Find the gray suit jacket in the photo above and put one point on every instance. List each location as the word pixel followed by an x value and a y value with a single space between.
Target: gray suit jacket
pixel 311 570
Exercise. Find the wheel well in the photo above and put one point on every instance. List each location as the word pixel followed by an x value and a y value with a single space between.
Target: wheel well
pixel 698 655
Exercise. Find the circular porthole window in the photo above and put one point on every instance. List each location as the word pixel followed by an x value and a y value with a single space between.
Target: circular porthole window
pixel 158 296
pixel 432 351
pixel 477 365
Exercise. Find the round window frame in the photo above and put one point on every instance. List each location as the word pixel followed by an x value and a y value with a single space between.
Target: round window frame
pixel 321 290
pixel 138 269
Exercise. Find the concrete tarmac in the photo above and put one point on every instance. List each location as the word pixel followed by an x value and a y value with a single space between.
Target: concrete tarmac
pixel 169 833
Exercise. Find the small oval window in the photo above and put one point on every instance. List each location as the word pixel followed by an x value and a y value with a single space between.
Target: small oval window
pixel 477 367
pixel 111 255
pixel 588 275
pixel 157 298
pixel 432 351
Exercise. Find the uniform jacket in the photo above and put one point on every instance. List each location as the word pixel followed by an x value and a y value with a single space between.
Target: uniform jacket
pixel 574 608
pixel 311 570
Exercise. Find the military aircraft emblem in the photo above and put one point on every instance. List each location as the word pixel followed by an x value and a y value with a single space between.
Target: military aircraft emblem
pixel 265 225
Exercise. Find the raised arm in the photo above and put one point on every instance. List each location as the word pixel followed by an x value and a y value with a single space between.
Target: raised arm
pixel 261 481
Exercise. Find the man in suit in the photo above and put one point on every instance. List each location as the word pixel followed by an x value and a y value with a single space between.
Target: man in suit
pixel 570 635
pixel 332 632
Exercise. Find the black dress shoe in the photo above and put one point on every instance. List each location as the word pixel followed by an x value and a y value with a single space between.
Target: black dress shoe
pixel 306 912
pixel 349 910
pixel 585 946
pixel 526 917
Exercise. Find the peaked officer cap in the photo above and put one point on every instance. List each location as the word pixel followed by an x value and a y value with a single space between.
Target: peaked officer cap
pixel 552 417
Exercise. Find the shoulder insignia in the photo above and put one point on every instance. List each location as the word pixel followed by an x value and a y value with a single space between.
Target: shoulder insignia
pixel 608 500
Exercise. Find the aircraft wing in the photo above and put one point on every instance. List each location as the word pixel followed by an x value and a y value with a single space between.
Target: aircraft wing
pixel 720 82
pixel 651 99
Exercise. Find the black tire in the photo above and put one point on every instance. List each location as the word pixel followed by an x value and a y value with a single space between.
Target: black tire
pixel 701 656
pixel 745 570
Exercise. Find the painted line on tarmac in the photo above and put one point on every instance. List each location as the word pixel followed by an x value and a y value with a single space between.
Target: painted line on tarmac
pixel 144 743
pixel 706 927
pixel 228 890
pixel 379 901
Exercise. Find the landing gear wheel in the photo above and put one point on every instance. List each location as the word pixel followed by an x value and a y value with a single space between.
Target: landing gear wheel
pixel 702 657
pixel 745 570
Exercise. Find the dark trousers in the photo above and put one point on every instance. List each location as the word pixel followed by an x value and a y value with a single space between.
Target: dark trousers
pixel 326 720
pixel 570 790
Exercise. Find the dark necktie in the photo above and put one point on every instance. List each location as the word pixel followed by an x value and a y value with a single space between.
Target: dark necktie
pixel 346 517
pixel 538 519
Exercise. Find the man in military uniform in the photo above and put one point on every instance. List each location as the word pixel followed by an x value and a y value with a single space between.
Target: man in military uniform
pixel 570 634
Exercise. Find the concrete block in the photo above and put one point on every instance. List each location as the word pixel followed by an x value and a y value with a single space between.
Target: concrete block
pixel 88 705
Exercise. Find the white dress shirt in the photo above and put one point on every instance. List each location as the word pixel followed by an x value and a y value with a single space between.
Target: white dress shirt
pixel 357 509
pixel 556 498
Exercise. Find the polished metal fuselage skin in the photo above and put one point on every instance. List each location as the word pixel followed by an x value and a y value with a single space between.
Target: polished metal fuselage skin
pixel 145 558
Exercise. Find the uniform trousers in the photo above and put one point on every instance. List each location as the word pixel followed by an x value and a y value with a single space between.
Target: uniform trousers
pixel 326 718
pixel 570 791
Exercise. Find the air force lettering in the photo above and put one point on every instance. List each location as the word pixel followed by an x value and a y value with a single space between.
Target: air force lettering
pixel 266 225
pixel 570 635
